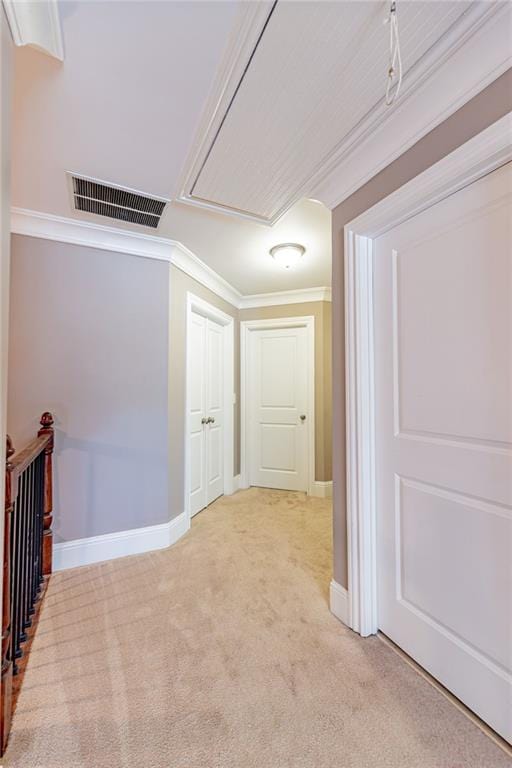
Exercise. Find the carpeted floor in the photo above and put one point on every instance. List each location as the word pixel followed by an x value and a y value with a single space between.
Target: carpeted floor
pixel 221 653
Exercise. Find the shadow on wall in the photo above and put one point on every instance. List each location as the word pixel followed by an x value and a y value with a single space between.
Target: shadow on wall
pixel 109 487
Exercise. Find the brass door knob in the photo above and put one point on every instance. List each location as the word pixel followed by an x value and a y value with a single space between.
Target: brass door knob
pixel 303 417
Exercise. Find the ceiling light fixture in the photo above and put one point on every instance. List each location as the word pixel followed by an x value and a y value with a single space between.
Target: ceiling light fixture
pixel 287 255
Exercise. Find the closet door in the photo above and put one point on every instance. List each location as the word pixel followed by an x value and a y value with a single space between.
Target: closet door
pixel 214 432
pixel 206 411
pixel 197 356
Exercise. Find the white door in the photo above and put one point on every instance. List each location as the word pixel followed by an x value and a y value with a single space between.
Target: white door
pixel 206 414
pixel 277 408
pixel 443 339
pixel 214 398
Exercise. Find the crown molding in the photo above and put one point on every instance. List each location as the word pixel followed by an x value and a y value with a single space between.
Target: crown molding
pixel 37 25
pixel 467 58
pixel 484 153
pixel 278 298
pixel 251 22
pixel 438 89
pixel 47 226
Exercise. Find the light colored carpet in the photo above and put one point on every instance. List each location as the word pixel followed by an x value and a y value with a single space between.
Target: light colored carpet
pixel 221 653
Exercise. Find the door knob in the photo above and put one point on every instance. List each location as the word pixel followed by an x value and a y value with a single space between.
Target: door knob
pixel 303 417
pixel 204 421
pixel 211 420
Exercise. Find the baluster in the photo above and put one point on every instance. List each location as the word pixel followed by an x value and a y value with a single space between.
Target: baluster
pixel 6 680
pixel 47 429
pixel 30 543
pixel 16 570
pixel 40 514
pixel 27 622
pixel 37 533
pixel 20 617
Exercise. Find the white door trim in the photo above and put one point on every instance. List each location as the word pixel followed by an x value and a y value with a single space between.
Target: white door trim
pixel 246 326
pixel 202 307
pixel 479 156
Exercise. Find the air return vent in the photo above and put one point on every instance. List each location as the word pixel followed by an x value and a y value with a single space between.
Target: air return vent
pixel 103 199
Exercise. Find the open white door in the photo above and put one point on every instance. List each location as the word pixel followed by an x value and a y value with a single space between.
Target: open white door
pixel 277 409
pixel 443 381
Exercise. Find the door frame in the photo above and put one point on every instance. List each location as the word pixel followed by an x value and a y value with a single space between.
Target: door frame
pixel 246 328
pixel 486 152
pixel 202 307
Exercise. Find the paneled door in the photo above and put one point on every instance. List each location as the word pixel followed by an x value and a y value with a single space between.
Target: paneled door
pixel 277 408
pixel 206 411
pixel 443 367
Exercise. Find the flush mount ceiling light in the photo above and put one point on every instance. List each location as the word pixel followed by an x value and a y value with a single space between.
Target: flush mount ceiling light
pixel 287 255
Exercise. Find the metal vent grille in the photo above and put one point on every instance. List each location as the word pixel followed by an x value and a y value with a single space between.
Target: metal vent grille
pixel 113 202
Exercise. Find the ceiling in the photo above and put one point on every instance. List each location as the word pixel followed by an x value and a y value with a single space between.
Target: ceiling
pixel 317 71
pixel 226 107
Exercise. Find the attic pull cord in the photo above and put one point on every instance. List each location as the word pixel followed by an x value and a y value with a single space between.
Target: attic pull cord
pixel 395 58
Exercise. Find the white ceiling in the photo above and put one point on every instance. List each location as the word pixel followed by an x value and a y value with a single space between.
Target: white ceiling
pixel 154 95
pixel 124 108
pixel 317 72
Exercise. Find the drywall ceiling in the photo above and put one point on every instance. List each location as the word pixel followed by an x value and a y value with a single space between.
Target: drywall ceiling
pixel 124 107
pixel 233 105
pixel 317 71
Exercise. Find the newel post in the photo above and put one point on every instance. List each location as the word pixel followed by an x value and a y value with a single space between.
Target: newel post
pixel 6 685
pixel 47 429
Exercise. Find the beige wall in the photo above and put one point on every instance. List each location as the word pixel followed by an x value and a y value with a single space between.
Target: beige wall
pixel 483 110
pixel 180 285
pixel 321 311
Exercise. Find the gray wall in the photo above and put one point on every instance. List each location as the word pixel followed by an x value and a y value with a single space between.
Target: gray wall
pixel 89 341
pixel 99 338
pixel 483 110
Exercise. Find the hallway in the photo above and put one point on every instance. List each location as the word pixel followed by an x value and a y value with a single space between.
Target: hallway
pixel 221 653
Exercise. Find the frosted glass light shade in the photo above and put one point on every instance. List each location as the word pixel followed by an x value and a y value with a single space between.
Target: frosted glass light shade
pixel 287 255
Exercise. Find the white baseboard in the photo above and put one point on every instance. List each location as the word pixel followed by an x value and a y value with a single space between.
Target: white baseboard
pixel 322 489
pixel 96 549
pixel 236 483
pixel 338 601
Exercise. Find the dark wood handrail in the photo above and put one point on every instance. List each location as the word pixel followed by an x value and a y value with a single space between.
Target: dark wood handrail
pixel 27 559
pixel 22 459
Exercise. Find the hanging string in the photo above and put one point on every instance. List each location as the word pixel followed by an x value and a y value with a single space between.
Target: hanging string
pixel 395 58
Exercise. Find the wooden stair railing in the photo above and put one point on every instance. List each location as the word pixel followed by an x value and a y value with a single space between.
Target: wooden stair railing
pixel 27 559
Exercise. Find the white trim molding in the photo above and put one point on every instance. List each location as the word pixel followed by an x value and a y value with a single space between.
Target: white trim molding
pixel 203 308
pixel 247 31
pixel 479 156
pixel 246 327
pixel 322 489
pixel 36 24
pixel 46 226
pixel 338 602
pixel 462 62
pixel 299 296
pixel 455 70
pixel 89 234
pixel 109 546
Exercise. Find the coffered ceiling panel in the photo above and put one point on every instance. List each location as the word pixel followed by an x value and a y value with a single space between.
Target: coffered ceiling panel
pixel 311 86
